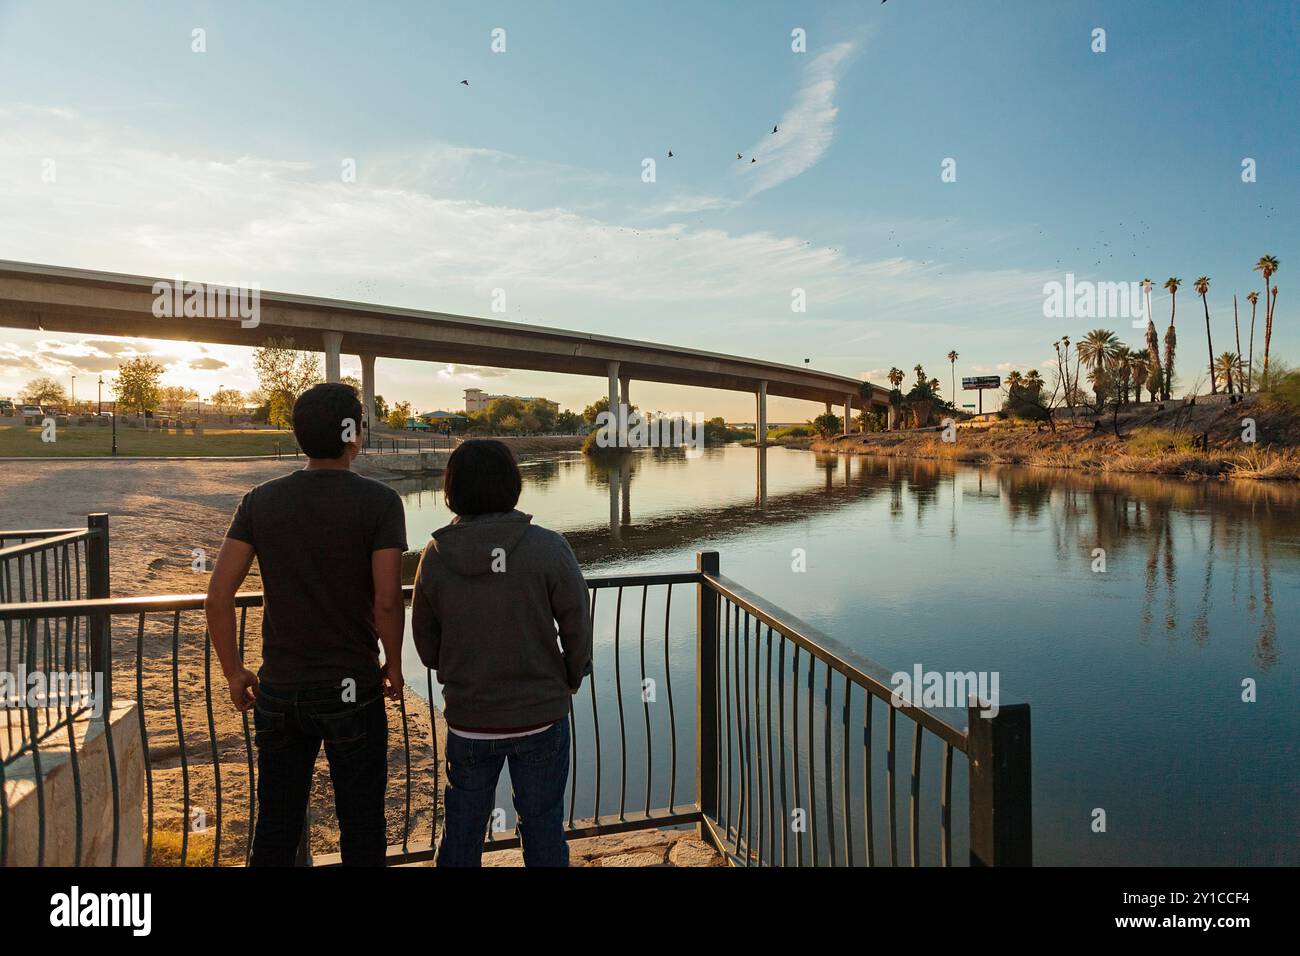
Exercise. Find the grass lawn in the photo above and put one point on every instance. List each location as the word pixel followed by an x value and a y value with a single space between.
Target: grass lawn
pixel 73 441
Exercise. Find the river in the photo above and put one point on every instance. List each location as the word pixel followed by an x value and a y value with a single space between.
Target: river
pixel 1135 673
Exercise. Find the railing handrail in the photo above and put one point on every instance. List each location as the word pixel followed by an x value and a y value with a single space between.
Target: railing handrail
pixel 47 543
pixel 194 600
pixel 947 723
pixel 35 532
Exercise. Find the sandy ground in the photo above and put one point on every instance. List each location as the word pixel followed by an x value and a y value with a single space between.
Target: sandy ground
pixel 158 513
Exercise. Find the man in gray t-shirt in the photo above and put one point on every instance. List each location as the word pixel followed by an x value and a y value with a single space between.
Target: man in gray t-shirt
pixel 329 546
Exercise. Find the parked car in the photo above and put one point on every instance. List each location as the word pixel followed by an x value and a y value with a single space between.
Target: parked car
pixel 32 411
pixel 6 408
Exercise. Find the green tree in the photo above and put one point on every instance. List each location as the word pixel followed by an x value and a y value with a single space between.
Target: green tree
pixel 227 401
pixel 284 372
pixel 568 422
pixel 1253 299
pixel 136 385
pixel 1225 365
pixel 397 417
pixel 44 391
pixel 827 424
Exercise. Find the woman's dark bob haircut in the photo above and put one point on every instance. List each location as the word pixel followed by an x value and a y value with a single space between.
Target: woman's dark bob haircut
pixel 482 478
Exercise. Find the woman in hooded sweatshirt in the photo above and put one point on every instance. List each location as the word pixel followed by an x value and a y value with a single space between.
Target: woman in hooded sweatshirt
pixel 500 612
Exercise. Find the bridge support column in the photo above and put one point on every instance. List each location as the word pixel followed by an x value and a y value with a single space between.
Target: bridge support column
pixel 893 417
pixel 612 370
pixel 848 412
pixel 333 345
pixel 760 415
pixel 624 408
pixel 368 389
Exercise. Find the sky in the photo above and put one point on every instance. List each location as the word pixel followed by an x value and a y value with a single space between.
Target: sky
pixel 122 148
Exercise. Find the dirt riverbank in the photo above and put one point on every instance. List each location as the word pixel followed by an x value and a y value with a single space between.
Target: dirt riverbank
pixel 1150 440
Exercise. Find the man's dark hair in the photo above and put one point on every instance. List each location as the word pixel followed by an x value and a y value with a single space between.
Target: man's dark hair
pixel 319 417
pixel 482 478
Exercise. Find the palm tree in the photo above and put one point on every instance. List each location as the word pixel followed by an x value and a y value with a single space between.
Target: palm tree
pixel 952 360
pixel 1098 347
pixel 1267 265
pixel 1252 298
pixel 1171 337
pixel 1033 382
pixel 1141 366
pixel 1014 380
pixel 1202 286
pixel 1153 376
pixel 1225 364
pixel 896 377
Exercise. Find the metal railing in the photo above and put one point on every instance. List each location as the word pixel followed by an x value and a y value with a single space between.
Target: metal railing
pixel 724 713
pixel 49 660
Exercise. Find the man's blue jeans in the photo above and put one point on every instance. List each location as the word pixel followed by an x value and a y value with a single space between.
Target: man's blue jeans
pixel 291 725
pixel 539 768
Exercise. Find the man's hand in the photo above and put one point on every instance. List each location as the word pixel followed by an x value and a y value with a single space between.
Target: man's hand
pixel 392 677
pixel 243 688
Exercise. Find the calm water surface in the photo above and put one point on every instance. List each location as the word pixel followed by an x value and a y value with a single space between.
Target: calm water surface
pixel 1135 675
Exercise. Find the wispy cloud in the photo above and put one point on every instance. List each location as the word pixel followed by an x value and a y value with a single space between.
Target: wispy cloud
pixel 807 127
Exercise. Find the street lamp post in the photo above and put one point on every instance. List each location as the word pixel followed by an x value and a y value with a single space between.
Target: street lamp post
pixel 100 399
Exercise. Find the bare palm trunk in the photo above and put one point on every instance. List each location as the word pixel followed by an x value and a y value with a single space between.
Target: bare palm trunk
pixel 1169 348
pixel 1250 362
pixel 1214 385
pixel 1268 330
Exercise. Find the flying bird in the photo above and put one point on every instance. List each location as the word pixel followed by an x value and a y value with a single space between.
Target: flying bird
pixel 738 156
pixel 670 154
pixel 464 82
pixel 774 129
pixel 752 160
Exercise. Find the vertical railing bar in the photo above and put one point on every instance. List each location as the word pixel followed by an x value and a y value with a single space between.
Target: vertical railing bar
pixel 212 736
pixel 826 760
pixel 672 715
pixel 890 756
pixel 771 787
pixel 437 770
pixel 812 760
pixel 741 805
pixel 749 756
pixel 727 695
pixel 618 696
pixel 595 714
pixel 37 771
pixel 406 754
pixel 914 811
pixel 180 737
pixel 945 808
pixel 248 751
pixel 794 751
pixel 144 737
pixel 868 824
pixel 780 704
pixel 847 772
pixel 645 704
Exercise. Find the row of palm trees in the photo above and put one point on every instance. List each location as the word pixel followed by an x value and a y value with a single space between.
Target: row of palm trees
pixel 1228 366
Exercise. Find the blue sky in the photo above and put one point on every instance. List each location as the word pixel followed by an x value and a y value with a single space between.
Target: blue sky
pixel 225 166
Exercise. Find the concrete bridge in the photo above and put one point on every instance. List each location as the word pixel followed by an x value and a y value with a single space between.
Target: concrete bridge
pixel 57 299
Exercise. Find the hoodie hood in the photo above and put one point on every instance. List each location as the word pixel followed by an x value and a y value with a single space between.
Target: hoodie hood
pixel 471 546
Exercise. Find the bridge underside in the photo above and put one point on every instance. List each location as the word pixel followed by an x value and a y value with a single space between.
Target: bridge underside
pixel 55 299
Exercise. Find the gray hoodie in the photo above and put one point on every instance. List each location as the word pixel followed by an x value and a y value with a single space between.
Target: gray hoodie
pixel 489 593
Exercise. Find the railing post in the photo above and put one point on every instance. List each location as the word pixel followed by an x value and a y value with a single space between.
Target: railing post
pixel 1000 784
pixel 97 584
pixel 706 691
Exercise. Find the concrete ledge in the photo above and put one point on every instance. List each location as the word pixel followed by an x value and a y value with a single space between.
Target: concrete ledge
pixel 22 800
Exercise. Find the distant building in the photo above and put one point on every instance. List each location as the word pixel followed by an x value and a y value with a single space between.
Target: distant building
pixel 476 400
